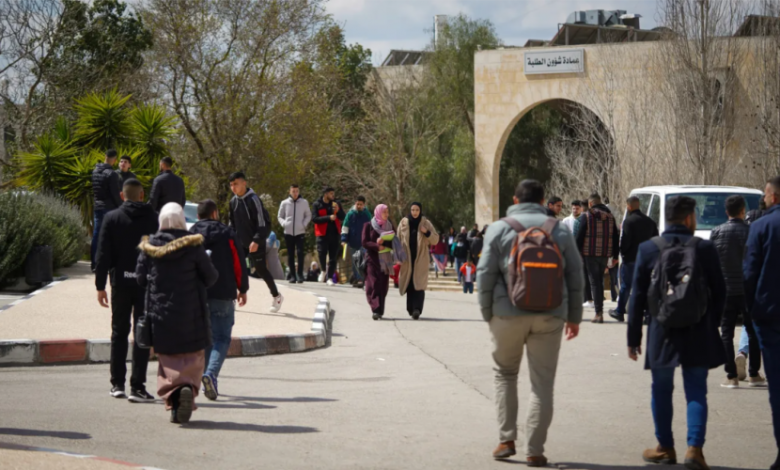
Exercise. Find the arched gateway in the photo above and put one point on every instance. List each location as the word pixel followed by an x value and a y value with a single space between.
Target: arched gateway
pixel 509 83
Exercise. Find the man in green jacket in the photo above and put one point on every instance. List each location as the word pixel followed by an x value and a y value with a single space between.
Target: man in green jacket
pixel 513 330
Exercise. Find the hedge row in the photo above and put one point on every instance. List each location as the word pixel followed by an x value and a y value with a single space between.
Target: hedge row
pixel 30 219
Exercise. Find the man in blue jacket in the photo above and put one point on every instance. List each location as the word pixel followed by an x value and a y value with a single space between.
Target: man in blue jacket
pixel 696 348
pixel 762 270
pixel 352 233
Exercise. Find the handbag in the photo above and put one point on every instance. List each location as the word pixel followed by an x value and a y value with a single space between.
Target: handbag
pixel 143 328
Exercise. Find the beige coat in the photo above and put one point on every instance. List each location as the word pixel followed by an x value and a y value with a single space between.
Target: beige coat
pixel 422 262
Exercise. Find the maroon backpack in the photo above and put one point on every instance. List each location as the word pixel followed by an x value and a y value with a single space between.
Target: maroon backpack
pixel 535 267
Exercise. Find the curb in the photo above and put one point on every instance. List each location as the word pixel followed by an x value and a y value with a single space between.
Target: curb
pixel 28 352
pixel 9 446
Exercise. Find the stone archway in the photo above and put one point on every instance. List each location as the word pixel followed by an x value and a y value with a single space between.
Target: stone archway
pixel 504 94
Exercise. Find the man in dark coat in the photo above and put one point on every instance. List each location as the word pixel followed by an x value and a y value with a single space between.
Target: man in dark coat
pixel 106 186
pixel 762 270
pixel 233 282
pixel 696 348
pixel 461 250
pixel 637 229
pixel 252 224
pixel 117 253
pixel 328 215
pixel 730 240
pixel 167 187
pixel 598 239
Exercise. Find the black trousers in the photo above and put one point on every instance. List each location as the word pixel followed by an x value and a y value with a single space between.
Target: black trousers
pixel 259 268
pixel 613 282
pixel 735 306
pixel 415 299
pixel 328 252
pixel 127 302
pixel 596 268
pixel 588 293
pixel 295 244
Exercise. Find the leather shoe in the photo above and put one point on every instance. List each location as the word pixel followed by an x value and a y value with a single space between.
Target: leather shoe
pixel 504 450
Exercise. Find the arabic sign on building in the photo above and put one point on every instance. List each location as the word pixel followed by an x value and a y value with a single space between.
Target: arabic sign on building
pixel 554 61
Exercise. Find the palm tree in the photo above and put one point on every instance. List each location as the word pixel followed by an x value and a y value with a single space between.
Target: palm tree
pixel 102 120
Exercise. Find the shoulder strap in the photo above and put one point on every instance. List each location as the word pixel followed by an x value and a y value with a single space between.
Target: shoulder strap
pixel 517 226
pixel 549 225
pixel 660 242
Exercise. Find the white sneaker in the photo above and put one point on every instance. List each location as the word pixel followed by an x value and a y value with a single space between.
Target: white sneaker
pixel 589 304
pixel 331 283
pixel 322 277
pixel 277 303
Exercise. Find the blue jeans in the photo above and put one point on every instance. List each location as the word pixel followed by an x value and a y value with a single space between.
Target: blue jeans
pixel 695 384
pixel 769 340
pixel 468 287
pixel 458 264
pixel 743 342
pixel 626 280
pixel 223 316
pixel 97 223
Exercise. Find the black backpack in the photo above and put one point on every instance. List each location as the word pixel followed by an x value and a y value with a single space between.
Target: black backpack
pixel 678 290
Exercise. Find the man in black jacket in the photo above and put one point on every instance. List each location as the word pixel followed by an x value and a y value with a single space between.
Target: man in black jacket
pixel 730 240
pixel 232 284
pixel 252 224
pixel 125 162
pixel 696 348
pixel 106 186
pixel 328 216
pixel 637 229
pixel 118 254
pixel 167 187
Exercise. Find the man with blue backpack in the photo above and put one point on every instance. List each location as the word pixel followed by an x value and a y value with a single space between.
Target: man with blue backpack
pixel 678 279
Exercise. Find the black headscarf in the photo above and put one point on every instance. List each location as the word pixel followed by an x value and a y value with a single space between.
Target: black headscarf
pixel 414 224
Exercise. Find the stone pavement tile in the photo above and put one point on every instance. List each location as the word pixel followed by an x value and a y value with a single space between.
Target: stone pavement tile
pixel 70 310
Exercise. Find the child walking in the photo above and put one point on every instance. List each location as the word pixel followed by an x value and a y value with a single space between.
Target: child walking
pixel 468 272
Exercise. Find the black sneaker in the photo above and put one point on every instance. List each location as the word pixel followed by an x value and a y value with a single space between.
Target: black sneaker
pixel 174 416
pixel 616 315
pixel 117 392
pixel 376 316
pixel 140 396
pixel 416 314
pixel 186 400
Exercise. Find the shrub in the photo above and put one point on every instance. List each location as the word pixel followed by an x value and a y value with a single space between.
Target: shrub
pixel 30 219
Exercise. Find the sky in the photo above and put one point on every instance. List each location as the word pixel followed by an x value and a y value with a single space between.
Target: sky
pixel 382 25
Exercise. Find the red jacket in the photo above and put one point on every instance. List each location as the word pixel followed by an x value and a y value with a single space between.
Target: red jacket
pixel 321 213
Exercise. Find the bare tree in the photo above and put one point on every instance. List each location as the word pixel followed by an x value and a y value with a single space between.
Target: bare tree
pixel 699 62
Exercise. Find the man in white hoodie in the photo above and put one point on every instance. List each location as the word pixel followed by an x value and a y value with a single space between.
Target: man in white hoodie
pixel 294 216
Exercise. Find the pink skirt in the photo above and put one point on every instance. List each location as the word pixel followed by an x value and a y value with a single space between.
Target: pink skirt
pixel 177 370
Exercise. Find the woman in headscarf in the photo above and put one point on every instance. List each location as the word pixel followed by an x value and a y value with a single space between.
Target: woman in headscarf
pixel 176 271
pixel 378 267
pixel 417 235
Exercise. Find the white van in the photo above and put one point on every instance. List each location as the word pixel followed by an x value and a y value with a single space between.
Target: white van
pixel 710 203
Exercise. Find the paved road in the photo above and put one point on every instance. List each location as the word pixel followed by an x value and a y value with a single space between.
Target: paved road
pixel 392 394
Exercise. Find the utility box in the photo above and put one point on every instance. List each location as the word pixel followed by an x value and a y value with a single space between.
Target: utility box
pixel 38 267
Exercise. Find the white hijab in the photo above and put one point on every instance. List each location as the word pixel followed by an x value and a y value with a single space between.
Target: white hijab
pixel 172 217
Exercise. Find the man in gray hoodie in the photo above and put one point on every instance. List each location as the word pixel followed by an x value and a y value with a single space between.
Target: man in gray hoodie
pixel 294 216
pixel 515 330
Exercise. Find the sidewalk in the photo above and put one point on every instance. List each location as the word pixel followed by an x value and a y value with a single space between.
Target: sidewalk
pixel 63 322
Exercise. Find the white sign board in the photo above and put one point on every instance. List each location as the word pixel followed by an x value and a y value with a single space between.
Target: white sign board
pixel 557 61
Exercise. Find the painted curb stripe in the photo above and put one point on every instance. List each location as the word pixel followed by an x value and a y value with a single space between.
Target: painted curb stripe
pixel 20 352
pixel 34 293
pixel 9 446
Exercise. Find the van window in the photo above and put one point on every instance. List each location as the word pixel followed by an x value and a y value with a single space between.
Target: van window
pixel 655 210
pixel 644 201
pixel 711 207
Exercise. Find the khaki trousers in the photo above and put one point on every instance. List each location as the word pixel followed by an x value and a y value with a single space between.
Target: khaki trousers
pixel 541 336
